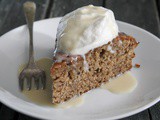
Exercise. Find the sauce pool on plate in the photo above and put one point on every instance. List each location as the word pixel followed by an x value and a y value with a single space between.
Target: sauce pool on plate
pixel 44 97
pixel 123 84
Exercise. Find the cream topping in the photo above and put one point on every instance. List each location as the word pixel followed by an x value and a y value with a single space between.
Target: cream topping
pixel 85 29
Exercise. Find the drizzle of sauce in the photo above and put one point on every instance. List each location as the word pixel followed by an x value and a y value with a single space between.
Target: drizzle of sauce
pixel 44 97
pixel 85 64
pixel 74 102
pixel 125 83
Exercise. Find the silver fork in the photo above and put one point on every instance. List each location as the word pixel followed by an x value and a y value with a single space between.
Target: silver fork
pixel 31 71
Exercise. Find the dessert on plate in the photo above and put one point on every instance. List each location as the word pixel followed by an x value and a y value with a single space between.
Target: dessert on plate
pixel 90 51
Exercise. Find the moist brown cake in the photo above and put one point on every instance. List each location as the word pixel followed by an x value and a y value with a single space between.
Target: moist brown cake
pixel 70 78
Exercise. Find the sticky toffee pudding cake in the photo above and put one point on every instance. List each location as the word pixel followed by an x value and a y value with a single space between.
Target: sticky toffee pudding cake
pixel 90 51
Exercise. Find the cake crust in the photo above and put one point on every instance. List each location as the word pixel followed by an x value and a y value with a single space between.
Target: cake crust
pixel 71 78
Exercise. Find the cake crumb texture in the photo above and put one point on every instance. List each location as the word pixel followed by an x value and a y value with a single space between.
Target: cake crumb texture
pixel 71 79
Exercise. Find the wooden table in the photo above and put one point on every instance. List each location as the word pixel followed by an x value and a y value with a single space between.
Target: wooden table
pixel 142 13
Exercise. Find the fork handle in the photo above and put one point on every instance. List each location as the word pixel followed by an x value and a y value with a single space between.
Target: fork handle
pixel 29 10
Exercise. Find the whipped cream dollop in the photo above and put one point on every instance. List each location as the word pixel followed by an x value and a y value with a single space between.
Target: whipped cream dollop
pixel 86 28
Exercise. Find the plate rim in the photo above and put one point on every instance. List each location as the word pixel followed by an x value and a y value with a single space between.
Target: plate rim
pixel 35 115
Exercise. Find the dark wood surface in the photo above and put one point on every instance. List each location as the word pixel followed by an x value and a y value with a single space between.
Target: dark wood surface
pixel 142 13
pixel 11 13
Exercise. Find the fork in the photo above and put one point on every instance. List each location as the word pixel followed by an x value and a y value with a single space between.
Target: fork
pixel 31 71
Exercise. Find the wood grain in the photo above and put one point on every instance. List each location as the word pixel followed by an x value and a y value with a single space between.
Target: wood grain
pixel 158 6
pixel 4 8
pixel 142 13
pixel 61 7
pixel 13 13
pixel 155 112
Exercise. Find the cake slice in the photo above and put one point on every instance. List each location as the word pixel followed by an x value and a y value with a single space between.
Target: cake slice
pixel 90 51
pixel 71 78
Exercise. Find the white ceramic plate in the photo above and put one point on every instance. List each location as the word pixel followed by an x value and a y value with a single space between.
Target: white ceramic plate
pixel 99 104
